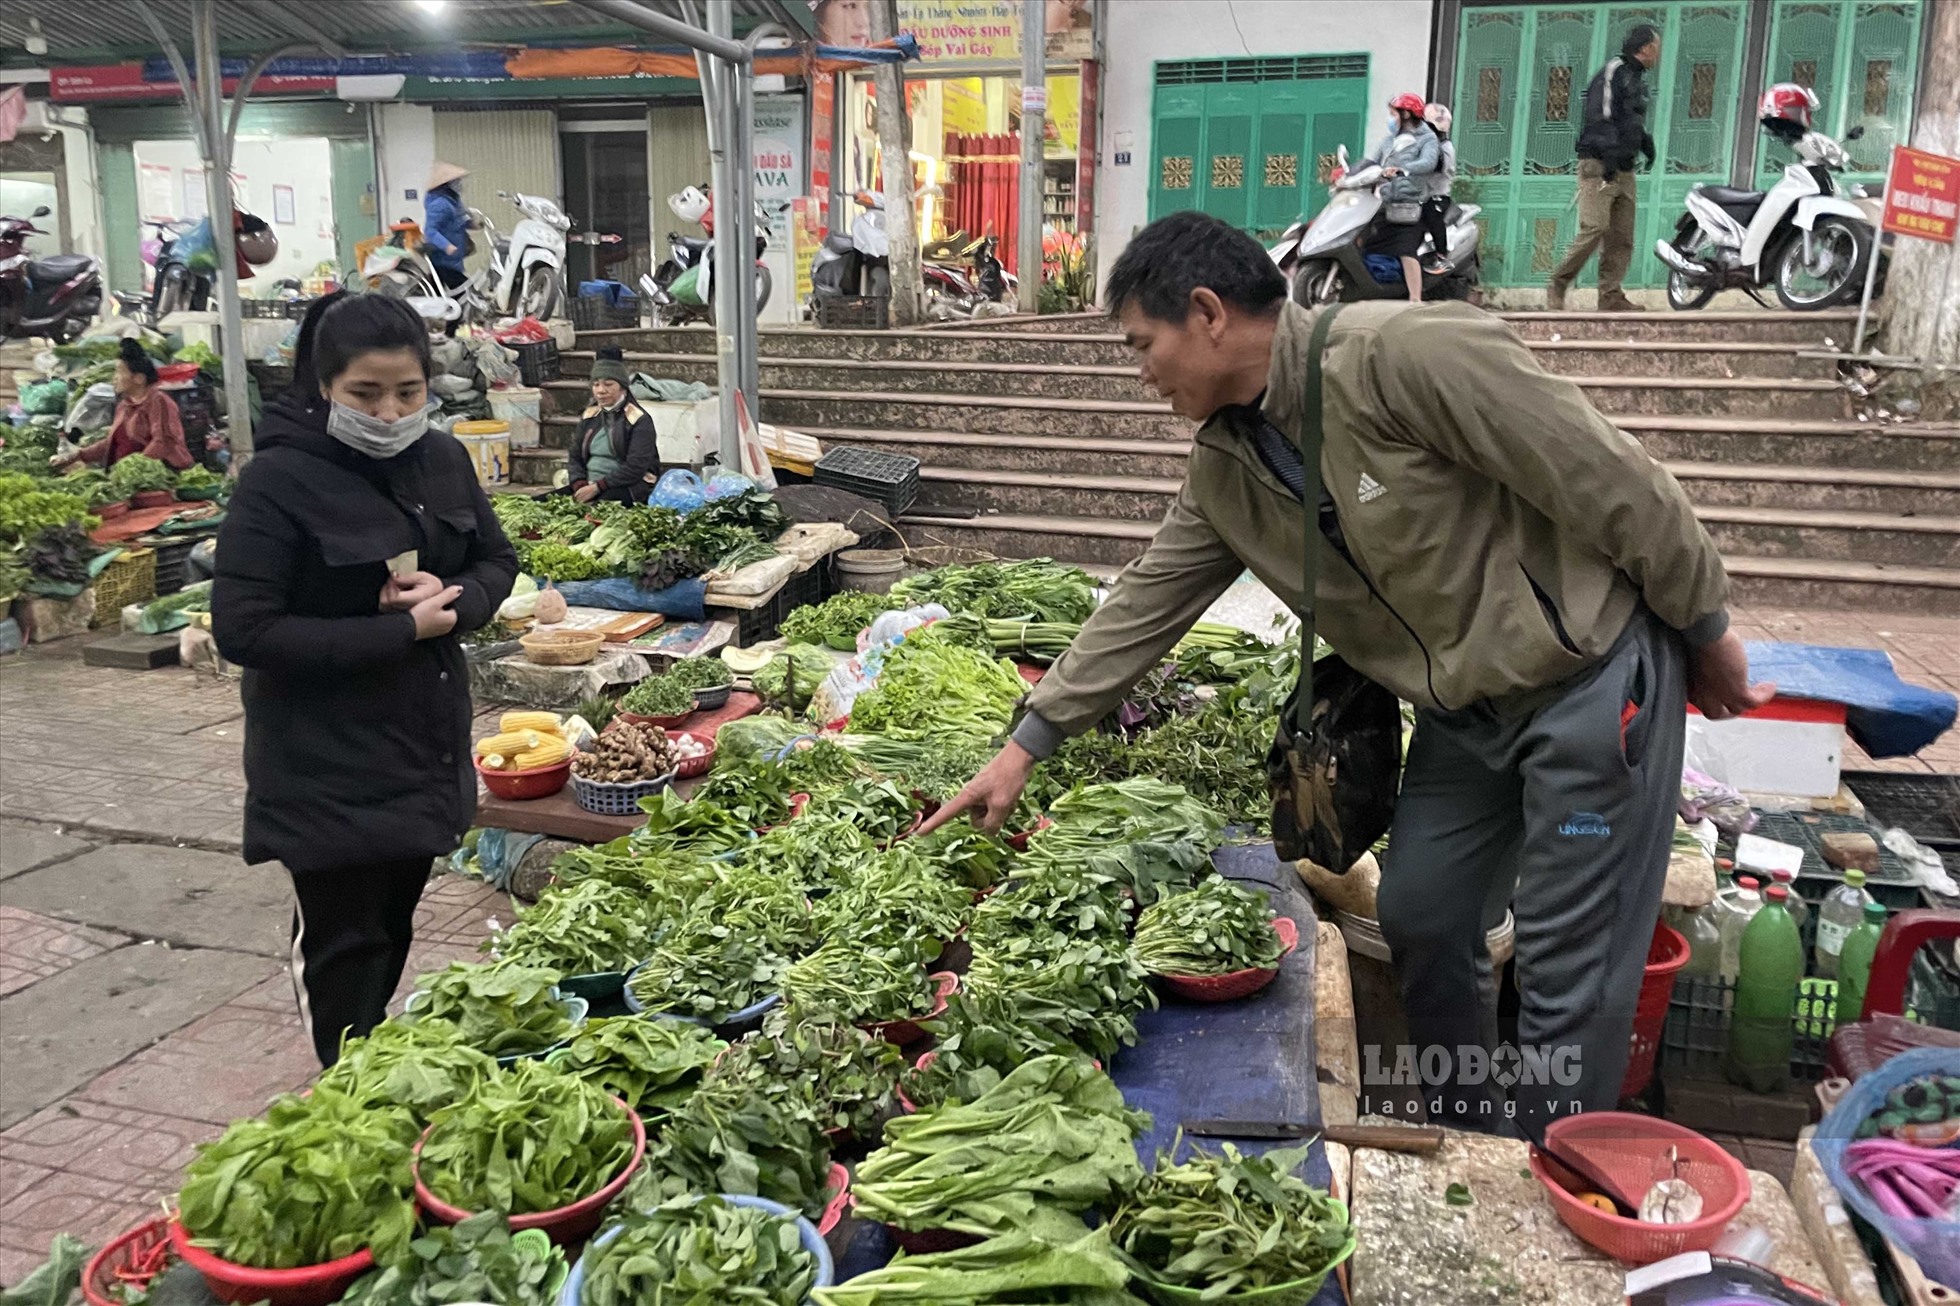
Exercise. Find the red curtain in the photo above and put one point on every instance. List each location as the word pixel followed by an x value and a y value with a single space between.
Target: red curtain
pixel 984 185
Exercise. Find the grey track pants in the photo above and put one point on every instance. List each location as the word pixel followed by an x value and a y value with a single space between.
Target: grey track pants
pixel 1561 805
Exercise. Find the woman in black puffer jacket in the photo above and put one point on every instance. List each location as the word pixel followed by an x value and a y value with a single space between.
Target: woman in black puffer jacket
pixel 356 551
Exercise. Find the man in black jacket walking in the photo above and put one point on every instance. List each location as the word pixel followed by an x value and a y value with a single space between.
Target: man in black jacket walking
pixel 1615 132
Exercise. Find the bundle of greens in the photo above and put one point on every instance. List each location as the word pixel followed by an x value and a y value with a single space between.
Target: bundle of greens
pixel 900 893
pixel 674 823
pixel 198 477
pixel 817 766
pixel 658 696
pixel 651 1065
pixel 1038 589
pixel 137 473
pixel 61 554
pixel 423 1067
pixel 27 509
pixel 729 950
pixel 555 561
pixel 476 1260
pixel 312 1180
pixel 578 929
pixel 1149 870
pixel 837 620
pixel 1227 1224
pixel 700 673
pixel 503 1010
pixel 1015 1267
pixel 846 1078
pixel 861 980
pixel 1142 809
pixel 530 1139
pixel 791 678
pixel 937 768
pixel 727 1138
pixel 1052 1138
pixel 813 852
pixel 1218 753
pixel 757 794
pixel 700 1252
pixel 968 1058
pixel 931 686
pixel 1214 929
pixel 753 738
pixel 976 859
pixel 879 808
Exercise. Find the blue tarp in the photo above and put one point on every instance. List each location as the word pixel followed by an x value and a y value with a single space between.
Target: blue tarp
pixel 682 600
pixel 1887 717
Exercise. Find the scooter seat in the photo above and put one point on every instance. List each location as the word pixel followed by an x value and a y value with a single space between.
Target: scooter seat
pixel 58 269
pixel 838 242
pixel 1730 198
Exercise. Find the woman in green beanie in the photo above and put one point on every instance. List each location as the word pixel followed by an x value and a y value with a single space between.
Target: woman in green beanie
pixel 615 454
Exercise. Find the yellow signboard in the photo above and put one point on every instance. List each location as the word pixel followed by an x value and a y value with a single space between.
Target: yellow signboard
pixel 965 31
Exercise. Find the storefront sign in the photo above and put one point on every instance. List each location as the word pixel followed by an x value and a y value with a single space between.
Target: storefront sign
pixel 965 31
pixel 124 81
pixel 779 155
pixel 1922 197
pixel 823 131
pixel 806 236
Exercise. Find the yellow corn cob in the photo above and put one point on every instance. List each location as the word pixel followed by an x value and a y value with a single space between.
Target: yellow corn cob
pixel 493 762
pixel 550 753
pixel 546 723
pixel 509 743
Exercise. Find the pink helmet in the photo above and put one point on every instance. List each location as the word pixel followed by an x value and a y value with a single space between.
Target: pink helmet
pixel 1437 115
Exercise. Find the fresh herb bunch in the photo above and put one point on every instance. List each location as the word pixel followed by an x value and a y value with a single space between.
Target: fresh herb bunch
pixel 858 980
pixel 937 768
pixel 1054 1267
pixel 1228 1224
pixel 897 894
pixel 1217 753
pixel 1214 929
pixel 756 794
pixel 530 1139
pixel 1149 869
pixel 577 929
pixel 474 1260
pixel 701 826
pixel 556 561
pixel 651 1065
pixel 837 620
pixel 816 852
pixel 791 678
pixel 707 970
pixel 818 766
pixel 658 696
pixel 1040 589
pixel 1051 1138
pixel 931 686
pixel 137 473
pixel 312 1180
pixel 976 859
pixel 727 1138
pixel 423 1066
pixel 1143 809
pixel 970 1058
pixel 878 807
pixel 700 673
pixel 700 1252
pixel 847 1078
pixel 503 1010
pixel 27 508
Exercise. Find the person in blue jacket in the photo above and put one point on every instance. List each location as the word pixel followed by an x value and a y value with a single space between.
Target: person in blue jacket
pixel 446 223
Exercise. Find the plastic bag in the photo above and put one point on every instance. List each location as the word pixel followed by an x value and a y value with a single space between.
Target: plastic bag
pixel 680 490
pixel 93 410
pixel 723 484
pixel 524 331
pixel 495 364
pixel 44 398
pixel 892 626
pixel 1703 797
pixel 523 600
pixel 1934 1243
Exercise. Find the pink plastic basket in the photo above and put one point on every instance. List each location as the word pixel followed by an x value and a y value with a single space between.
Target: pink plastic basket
pixel 1238 983
pixel 1632 1150
pixel 567 1224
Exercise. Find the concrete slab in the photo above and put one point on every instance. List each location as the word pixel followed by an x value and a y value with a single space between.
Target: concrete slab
pixel 181 895
pixel 24 847
pixel 62 1032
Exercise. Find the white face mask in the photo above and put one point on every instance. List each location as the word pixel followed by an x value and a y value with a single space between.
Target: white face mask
pixel 365 433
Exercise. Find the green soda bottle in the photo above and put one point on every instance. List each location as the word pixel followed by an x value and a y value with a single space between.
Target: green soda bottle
pixel 1761 1035
pixel 1855 963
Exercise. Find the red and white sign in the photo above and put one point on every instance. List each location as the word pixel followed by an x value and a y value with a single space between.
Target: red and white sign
pixel 1922 196
pixel 124 81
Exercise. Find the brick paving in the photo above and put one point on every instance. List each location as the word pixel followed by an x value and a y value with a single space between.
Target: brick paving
pixel 99 766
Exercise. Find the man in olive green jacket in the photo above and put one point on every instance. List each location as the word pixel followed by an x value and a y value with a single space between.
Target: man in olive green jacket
pixel 1493 551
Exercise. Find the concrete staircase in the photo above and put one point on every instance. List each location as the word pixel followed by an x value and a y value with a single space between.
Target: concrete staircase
pixel 1043 442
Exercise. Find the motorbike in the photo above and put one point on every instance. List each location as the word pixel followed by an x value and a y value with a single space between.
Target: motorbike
pixel 179 285
pixel 858 263
pixel 527 271
pixel 681 289
pixel 56 296
pixel 960 275
pixel 1323 259
pixel 1801 236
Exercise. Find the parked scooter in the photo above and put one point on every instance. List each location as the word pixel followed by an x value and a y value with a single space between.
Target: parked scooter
pixel 961 274
pixel 856 264
pixel 1801 235
pixel 56 296
pixel 681 289
pixel 180 285
pixel 527 271
pixel 1323 259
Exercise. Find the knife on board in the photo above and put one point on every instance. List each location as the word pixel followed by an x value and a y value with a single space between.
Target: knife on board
pixel 1421 1140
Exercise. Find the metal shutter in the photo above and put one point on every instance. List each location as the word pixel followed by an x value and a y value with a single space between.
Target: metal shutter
pixel 505 149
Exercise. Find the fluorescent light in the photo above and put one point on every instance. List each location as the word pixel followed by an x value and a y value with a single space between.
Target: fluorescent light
pixel 433 6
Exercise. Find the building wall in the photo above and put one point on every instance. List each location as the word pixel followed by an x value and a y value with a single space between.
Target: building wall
pixel 514 150
pixel 405 148
pixel 1393 33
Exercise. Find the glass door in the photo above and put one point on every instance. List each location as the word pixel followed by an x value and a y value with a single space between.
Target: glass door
pixel 606 191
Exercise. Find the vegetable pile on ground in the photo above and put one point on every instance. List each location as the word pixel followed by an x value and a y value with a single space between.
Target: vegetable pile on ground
pixel 1013 1268
pixel 505 1010
pixel 137 474
pixel 529 1139
pixel 837 620
pixel 476 1260
pixel 579 929
pixel 422 1067
pixel 930 686
pixel 1214 929
pixel 627 752
pixel 730 948
pixel 845 1078
pixel 1039 589
pixel 560 539
pixel 699 1252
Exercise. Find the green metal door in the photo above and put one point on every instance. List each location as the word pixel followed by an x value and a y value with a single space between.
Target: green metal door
pixel 1516 151
pixel 1861 59
pixel 1251 141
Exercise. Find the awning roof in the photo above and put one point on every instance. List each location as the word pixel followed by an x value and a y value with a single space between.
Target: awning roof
pixel 93 31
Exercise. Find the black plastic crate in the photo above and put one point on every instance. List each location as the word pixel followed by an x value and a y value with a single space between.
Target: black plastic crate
pixel 538 362
pixel 1695 1039
pixel 1807 830
pixel 854 312
pixel 1927 807
pixel 173 565
pixel 891 479
pixel 761 624
pixel 594 313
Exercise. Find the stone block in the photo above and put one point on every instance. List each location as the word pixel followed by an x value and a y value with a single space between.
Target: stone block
pixel 1851 850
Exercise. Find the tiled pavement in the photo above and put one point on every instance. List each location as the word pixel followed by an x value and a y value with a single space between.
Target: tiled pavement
pixel 96 759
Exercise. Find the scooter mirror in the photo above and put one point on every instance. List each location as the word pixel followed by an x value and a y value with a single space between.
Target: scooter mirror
pixel 41 212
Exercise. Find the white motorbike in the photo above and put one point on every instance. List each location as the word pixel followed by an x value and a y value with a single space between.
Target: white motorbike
pixel 1803 236
pixel 527 270
pixel 1323 259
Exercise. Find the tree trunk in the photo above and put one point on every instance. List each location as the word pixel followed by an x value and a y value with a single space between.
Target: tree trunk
pixel 1922 308
pixel 894 138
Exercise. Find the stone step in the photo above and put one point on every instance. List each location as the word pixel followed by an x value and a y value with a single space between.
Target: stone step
pixel 1888 538
pixel 954 451
pixel 1111 498
pixel 1928 447
pixel 1829 489
pixel 535 466
pixel 1808 329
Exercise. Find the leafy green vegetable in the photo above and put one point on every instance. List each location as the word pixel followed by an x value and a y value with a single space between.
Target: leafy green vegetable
pixel 792 677
pixel 197 477
pixel 895 895
pixel 930 687
pixel 878 807
pixel 846 1078
pixel 577 929
pixel 312 1180
pixel 701 673
pixel 1218 753
pixel 1015 1267
pixel 54 1281
pixel 837 620
pixel 27 509
pixel 701 826
pixel 423 1066
pixel 727 1138
pixel 1214 929
pixel 1229 1224
pixel 730 948
pixel 1039 588
pixel 61 554
pixel 203 355
pixel 756 794
pixel 550 560
pixel 652 1065
pixel 860 981
pixel 1053 1135
pixel 1096 818
pixel 136 473
pixel 658 696
pixel 530 1139
pixel 700 1252
pixel 476 1260
pixel 503 1009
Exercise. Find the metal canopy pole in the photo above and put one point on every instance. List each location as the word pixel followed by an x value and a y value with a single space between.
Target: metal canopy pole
pixel 217 190
pixel 721 45
pixel 1034 109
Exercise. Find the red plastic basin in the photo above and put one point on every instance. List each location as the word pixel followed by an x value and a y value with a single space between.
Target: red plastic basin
pixel 305 1285
pixel 538 782
pixel 566 1224
pixel 1238 983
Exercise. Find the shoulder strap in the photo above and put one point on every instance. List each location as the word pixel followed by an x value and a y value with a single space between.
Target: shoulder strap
pixel 1310 442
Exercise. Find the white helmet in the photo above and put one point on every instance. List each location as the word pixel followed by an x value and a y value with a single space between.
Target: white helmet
pixel 1437 115
pixel 690 205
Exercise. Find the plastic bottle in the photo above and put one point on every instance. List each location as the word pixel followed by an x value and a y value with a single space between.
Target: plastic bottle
pixel 1742 909
pixel 1761 1034
pixel 1798 908
pixel 1702 928
pixel 1855 963
pixel 1841 912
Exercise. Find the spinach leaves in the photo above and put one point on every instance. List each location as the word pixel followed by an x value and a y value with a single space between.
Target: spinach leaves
pixel 699 1252
pixel 504 1010
pixel 531 1139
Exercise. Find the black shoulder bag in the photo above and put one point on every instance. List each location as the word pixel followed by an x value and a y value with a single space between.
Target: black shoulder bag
pixel 1336 758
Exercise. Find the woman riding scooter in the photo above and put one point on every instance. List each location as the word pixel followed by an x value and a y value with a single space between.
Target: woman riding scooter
pixel 1407 156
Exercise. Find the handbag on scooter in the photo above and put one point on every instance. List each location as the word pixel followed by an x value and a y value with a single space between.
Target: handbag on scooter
pixel 1401 214
pixel 1336 757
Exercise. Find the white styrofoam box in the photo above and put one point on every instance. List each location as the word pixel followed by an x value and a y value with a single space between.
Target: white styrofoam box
pixel 1791 746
